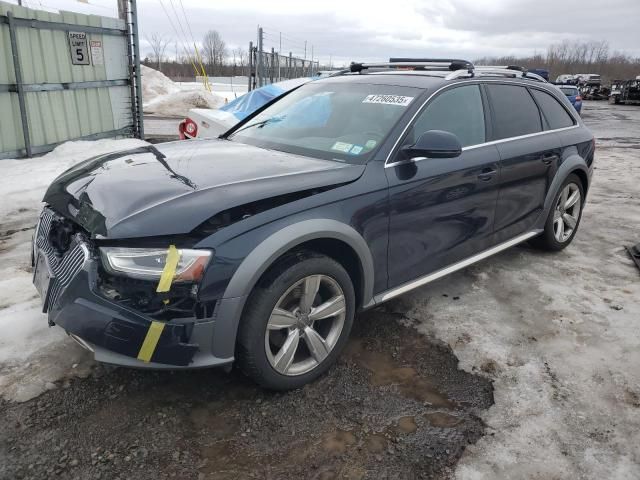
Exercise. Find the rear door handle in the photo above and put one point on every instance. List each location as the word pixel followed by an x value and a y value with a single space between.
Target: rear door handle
pixel 487 174
pixel 547 158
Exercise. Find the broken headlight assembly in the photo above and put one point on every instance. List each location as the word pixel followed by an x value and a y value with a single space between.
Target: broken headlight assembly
pixel 149 263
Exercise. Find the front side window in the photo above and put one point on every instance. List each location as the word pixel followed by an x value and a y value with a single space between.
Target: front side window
pixel 514 111
pixel 330 120
pixel 554 113
pixel 458 111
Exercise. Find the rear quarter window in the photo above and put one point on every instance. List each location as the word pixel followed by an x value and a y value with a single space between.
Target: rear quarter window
pixel 514 111
pixel 554 113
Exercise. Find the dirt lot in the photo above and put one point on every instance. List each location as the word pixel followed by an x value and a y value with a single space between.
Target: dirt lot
pixel 553 340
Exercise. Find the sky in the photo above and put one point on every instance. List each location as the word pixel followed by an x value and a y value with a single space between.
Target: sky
pixel 355 30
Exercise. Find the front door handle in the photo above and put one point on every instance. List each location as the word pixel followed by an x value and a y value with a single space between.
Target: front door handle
pixel 547 158
pixel 487 174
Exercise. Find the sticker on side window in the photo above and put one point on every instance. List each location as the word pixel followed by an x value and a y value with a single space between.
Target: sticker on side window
pixel 388 99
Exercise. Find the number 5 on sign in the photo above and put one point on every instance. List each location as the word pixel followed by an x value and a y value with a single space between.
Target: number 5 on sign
pixel 78 48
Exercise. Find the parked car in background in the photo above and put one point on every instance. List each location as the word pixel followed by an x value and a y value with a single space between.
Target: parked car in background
pixel 210 123
pixel 590 79
pixel 259 247
pixel 543 72
pixel 628 92
pixel 565 79
pixel 573 94
pixel 616 89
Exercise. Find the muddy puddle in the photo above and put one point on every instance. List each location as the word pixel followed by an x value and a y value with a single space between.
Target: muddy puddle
pixel 395 406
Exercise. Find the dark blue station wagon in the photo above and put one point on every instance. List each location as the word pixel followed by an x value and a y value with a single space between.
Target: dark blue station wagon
pixel 261 246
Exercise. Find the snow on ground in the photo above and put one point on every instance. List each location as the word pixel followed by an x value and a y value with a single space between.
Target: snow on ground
pixel 229 91
pixel 162 96
pixel 32 355
pixel 558 333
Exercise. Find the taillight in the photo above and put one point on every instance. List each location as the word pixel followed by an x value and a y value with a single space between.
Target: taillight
pixel 190 127
pixel 578 98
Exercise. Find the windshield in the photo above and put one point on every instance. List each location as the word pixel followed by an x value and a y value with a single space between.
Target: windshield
pixel 338 121
pixel 569 91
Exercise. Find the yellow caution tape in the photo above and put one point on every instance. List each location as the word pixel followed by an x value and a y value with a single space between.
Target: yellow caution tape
pixel 169 271
pixel 150 341
pixel 164 285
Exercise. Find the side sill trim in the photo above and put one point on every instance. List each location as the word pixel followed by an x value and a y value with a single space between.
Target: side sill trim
pixel 384 296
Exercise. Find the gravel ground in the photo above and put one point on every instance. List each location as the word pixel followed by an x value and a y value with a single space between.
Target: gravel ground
pixel 396 406
pixel 554 338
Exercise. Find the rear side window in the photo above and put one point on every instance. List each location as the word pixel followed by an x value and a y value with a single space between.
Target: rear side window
pixel 553 111
pixel 514 111
pixel 459 111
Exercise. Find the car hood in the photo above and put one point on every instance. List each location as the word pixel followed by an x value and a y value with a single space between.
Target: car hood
pixel 172 188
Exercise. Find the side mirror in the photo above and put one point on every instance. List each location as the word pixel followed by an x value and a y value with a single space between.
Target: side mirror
pixel 434 144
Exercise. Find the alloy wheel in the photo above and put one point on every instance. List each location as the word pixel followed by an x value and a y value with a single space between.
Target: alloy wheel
pixel 567 212
pixel 305 325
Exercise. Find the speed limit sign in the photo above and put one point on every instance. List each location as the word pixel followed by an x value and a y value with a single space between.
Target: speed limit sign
pixel 78 48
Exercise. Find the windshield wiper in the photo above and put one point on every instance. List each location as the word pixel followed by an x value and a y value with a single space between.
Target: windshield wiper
pixel 259 124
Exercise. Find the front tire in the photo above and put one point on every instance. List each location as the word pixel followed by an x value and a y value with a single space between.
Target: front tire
pixel 564 218
pixel 296 322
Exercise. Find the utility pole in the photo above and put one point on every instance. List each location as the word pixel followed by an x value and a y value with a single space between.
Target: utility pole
pixel 305 49
pixel 250 62
pixel 259 62
pixel 128 11
pixel 279 57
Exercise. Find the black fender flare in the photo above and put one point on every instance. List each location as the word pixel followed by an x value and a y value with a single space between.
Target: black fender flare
pixel 264 255
pixel 569 165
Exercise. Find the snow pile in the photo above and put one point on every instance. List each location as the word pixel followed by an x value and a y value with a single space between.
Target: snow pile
pixel 155 84
pixel 32 355
pixel 164 97
pixel 178 104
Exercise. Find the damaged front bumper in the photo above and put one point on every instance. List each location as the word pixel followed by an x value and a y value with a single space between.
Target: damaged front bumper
pixel 115 333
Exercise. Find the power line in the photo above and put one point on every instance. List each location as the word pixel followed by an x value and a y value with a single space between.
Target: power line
pixel 175 30
pixel 177 17
pixel 187 22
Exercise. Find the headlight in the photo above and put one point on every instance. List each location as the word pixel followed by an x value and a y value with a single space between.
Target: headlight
pixel 148 263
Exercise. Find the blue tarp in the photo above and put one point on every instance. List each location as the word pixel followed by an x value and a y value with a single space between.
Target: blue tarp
pixel 251 101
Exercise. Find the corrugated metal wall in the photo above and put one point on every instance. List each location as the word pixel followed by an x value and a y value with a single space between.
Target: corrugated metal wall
pixel 64 114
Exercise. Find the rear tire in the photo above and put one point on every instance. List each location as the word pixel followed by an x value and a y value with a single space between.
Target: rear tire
pixel 564 218
pixel 296 322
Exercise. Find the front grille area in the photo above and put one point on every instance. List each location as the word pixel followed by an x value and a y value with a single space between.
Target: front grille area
pixel 64 264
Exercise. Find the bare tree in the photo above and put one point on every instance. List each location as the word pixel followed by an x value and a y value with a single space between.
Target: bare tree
pixel 571 57
pixel 158 46
pixel 214 50
pixel 239 56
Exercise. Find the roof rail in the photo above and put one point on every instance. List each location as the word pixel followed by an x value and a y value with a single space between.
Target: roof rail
pixel 454 63
pixel 458 68
pixel 422 64
pixel 512 71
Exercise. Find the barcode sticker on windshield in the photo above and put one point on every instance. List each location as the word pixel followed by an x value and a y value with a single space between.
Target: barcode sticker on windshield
pixel 388 99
